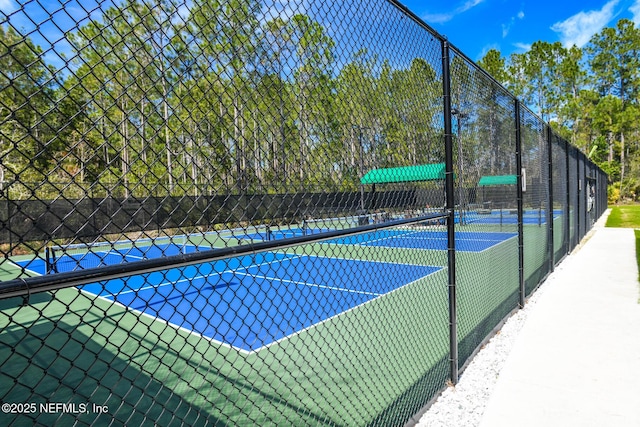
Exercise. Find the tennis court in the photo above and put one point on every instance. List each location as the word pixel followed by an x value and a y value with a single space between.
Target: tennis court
pixel 250 302
pixel 430 237
pixel 253 301
pixel 277 233
pixel 466 241
pixel 509 216
pixel 81 257
pixel 264 236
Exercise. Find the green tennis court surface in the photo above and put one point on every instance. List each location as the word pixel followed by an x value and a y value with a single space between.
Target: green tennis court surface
pixel 280 294
pixel 230 310
pixel 253 301
pixel 507 216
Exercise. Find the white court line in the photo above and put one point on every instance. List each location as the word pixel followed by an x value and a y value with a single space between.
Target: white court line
pixel 328 319
pixel 213 273
pixel 109 299
pixel 31 272
pixel 333 288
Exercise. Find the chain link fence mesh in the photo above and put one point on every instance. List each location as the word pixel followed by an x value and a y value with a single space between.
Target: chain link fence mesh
pixel 560 203
pixel 486 193
pixel 574 196
pixel 235 212
pixel 535 199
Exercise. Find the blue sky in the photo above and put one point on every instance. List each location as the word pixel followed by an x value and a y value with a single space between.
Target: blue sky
pixel 475 26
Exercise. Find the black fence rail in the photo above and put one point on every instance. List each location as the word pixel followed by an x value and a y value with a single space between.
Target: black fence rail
pixel 257 212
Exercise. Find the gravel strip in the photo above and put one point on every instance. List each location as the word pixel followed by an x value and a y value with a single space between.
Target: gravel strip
pixel 464 404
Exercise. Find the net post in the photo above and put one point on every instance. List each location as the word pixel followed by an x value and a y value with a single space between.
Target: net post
pixel 185 243
pixel 450 209
pixel 47 260
pixel 51 261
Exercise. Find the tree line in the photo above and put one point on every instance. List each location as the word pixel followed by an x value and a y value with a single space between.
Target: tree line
pixel 590 95
pixel 217 100
pixel 225 98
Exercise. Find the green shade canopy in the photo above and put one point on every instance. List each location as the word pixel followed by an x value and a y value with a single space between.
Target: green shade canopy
pixel 487 181
pixel 430 172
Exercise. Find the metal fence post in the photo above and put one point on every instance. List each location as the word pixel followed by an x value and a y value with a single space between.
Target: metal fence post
pixel 520 196
pixel 579 195
pixel 567 216
pixel 450 208
pixel 550 201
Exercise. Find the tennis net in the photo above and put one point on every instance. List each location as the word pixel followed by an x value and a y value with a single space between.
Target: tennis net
pixel 81 256
pixel 320 225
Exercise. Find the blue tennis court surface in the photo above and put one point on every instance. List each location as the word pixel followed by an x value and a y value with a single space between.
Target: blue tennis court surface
pixel 252 301
pixel 107 256
pixel 466 241
pixel 530 217
pixel 280 233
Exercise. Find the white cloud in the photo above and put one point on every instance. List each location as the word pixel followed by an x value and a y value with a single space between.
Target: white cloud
pixel 468 5
pixel 635 9
pixel 579 28
pixel 7 6
pixel 522 47
pixel 439 18
pixel 507 27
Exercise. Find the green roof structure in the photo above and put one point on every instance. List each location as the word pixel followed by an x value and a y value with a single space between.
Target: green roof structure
pixel 489 181
pixel 429 172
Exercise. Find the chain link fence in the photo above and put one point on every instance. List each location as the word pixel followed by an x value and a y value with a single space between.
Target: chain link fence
pixel 261 212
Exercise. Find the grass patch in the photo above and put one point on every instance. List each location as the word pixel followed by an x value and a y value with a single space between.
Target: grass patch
pixel 627 216
pixel 638 250
pixel 637 233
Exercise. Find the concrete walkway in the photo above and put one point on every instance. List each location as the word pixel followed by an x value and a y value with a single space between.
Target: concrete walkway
pixel 576 361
